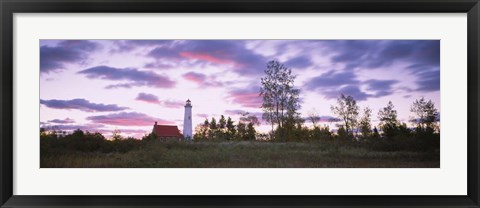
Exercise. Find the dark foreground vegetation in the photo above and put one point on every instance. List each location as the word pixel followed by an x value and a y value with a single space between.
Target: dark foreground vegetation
pixel 90 150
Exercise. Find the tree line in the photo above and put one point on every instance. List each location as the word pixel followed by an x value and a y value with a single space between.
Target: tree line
pixel 226 130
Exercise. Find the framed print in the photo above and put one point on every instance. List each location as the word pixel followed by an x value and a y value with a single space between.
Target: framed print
pixel 247 104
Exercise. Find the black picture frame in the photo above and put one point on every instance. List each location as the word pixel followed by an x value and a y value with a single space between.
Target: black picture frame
pixel 9 7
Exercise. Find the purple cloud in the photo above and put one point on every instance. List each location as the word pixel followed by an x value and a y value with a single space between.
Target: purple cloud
pixel 80 104
pixel 299 62
pixel 234 112
pixel 127 119
pixel 55 58
pixel 332 79
pixel 62 127
pixel 122 46
pixel 428 81
pixel 332 84
pixel 149 98
pixel 62 121
pixel 202 115
pixel 172 104
pixel 382 53
pixel 132 75
pixel 325 119
pixel 351 90
pixel 380 87
pixel 422 55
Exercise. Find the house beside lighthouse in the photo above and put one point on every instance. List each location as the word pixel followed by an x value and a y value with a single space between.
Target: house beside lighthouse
pixel 166 132
pixel 169 132
pixel 187 121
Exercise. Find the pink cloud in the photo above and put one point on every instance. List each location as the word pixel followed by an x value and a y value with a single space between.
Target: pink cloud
pixel 127 119
pixel 246 98
pixel 201 79
pixel 205 57
pixel 195 77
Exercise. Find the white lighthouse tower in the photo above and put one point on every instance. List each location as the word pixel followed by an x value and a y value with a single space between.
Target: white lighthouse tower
pixel 187 121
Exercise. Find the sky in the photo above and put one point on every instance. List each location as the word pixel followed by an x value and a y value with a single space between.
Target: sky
pixel 127 85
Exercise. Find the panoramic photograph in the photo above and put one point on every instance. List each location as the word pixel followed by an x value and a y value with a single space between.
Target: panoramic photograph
pixel 239 103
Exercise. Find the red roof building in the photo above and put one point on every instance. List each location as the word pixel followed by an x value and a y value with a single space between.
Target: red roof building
pixel 166 131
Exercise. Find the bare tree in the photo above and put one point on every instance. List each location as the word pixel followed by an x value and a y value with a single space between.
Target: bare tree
pixel 347 110
pixel 280 98
pixel 313 117
pixel 425 112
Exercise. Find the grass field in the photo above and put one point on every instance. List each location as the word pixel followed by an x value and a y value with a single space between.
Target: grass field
pixel 242 155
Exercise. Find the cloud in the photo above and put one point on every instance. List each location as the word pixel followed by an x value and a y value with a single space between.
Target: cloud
pixel 62 121
pixel 380 87
pixel 299 62
pixel 80 104
pixel 127 119
pixel 428 81
pixel 201 79
pixel 55 58
pixel 132 75
pixel 351 90
pixel 122 46
pixel 149 98
pixel 325 119
pixel 383 53
pixel 164 53
pixel 248 97
pixel 206 57
pixel 158 65
pixel 70 127
pixel 216 52
pixel 333 83
pixel 202 115
pixel 332 79
pixel 235 112
pixel 195 77
pixel 172 104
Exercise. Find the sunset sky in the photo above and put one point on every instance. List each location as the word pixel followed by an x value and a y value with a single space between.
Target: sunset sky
pixel 102 85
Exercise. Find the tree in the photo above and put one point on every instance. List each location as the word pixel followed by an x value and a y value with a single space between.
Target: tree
pixel 388 120
pixel 280 98
pixel 425 112
pixel 365 122
pixel 249 118
pixel 213 124
pixel 149 137
pixel 241 131
pixel 230 129
pixel 201 131
pixel 116 135
pixel 313 117
pixel 246 127
pixel 342 133
pixel 375 134
pixel 347 110
pixel 222 122
pixel 250 133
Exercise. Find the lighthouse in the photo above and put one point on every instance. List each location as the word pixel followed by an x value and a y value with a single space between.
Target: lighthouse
pixel 187 121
